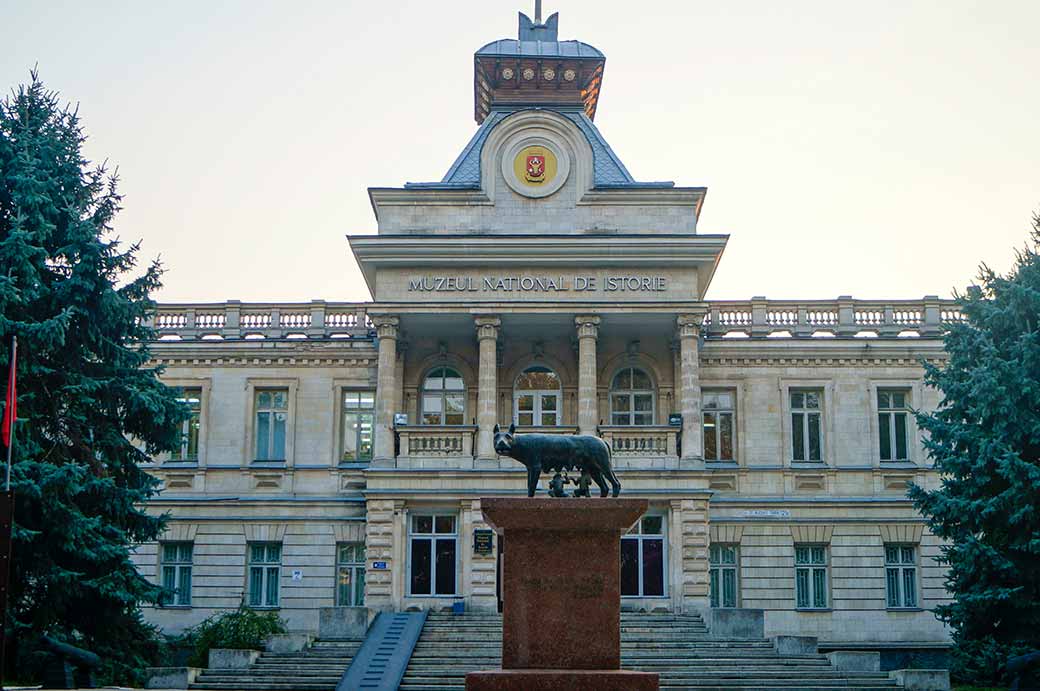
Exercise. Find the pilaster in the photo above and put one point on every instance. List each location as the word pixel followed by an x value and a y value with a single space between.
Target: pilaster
pixel 386 390
pixel 588 332
pixel 487 387
pixel 689 326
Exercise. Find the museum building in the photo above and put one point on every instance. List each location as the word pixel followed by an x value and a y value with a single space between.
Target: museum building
pixel 337 453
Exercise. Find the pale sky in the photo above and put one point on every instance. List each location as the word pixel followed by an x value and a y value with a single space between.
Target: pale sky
pixel 880 149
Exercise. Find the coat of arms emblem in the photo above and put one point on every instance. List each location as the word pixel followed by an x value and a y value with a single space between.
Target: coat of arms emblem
pixel 535 168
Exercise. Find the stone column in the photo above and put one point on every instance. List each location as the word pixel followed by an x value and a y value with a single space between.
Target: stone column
pixel 689 326
pixel 588 331
pixel 386 390
pixel 487 386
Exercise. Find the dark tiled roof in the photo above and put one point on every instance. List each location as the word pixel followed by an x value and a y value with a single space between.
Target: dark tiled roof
pixel 608 170
pixel 510 47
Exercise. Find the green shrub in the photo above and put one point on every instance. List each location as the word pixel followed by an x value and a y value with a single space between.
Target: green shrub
pixel 244 628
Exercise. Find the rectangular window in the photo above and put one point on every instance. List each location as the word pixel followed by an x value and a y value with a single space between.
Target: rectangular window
pixel 723 567
pixel 901 576
pixel 176 572
pixel 810 569
pixel 434 549
pixel 189 448
pixel 272 417
pixel 893 421
pixel 350 574
pixel 642 559
pixel 806 435
pixel 265 562
pixel 359 411
pixel 718 415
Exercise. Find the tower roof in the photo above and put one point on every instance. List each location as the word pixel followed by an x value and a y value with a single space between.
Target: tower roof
pixel 537 69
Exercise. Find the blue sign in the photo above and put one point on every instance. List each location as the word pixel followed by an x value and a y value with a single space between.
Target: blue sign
pixel 379 565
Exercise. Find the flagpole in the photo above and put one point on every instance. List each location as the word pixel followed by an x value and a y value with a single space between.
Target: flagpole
pixel 10 443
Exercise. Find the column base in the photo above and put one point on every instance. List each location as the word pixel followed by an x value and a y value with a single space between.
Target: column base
pixel 489 463
pixel 691 463
pixel 556 680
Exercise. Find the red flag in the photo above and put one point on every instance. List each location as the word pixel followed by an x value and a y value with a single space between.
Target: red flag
pixel 11 407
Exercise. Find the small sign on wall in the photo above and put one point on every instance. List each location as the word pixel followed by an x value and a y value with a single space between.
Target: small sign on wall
pixel 483 542
pixel 297 575
pixel 379 565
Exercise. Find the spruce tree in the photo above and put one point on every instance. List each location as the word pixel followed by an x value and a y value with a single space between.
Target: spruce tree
pixel 90 408
pixel 985 441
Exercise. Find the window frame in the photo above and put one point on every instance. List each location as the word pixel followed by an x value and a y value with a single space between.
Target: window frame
pixel 716 569
pixel 731 411
pixel 204 384
pixel 812 567
pixel 179 566
pixel 826 422
pixel 342 429
pixel 537 411
pixel 443 395
pixel 902 567
pixel 272 412
pixel 432 538
pixel 184 455
pixel 641 538
pixel 254 384
pixel 631 393
pixel 913 388
pixel 356 567
pixel 267 568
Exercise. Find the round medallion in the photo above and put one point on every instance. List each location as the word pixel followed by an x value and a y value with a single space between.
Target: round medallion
pixel 507 73
pixel 549 74
pixel 569 75
pixel 528 73
pixel 535 166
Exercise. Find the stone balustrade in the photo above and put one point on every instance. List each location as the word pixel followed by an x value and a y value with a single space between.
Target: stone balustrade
pixel 234 320
pixel 652 441
pixel 843 317
pixel 435 441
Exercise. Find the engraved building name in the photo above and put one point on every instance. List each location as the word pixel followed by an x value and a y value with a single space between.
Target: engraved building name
pixel 542 284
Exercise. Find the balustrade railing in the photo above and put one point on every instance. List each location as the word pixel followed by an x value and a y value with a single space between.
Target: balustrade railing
pixel 237 320
pixel 646 442
pixel 843 317
pixel 435 441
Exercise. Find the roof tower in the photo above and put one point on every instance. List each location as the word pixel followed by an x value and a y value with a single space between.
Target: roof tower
pixel 536 69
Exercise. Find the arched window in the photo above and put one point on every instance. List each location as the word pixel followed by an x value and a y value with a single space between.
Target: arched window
pixel 536 397
pixel 631 398
pixel 443 398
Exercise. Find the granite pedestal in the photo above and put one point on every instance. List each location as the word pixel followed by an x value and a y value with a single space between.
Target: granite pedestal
pixel 561 585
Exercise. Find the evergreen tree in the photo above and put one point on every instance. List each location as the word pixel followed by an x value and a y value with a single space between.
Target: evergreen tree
pixel 985 441
pixel 90 409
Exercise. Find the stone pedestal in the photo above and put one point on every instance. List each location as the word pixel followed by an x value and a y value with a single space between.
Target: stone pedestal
pixel 561 585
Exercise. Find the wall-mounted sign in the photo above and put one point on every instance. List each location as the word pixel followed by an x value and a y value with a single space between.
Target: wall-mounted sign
pixel 379 565
pixel 767 513
pixel 297 575
pixel 675 419
pixel 400 419
pixel 537 284
pixel 483 542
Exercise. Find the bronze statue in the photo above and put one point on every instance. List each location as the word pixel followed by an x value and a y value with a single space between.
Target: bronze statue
pixel 584 453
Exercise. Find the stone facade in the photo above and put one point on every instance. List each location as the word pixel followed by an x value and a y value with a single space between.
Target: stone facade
pixel 772 434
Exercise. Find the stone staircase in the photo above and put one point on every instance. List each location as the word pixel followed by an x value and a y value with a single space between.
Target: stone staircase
pixel 318 667
pixel 677 647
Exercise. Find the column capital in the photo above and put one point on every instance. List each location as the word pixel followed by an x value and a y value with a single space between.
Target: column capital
pixel 689 325
pixel 487 327
pixel 386 325
pixel 587 325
